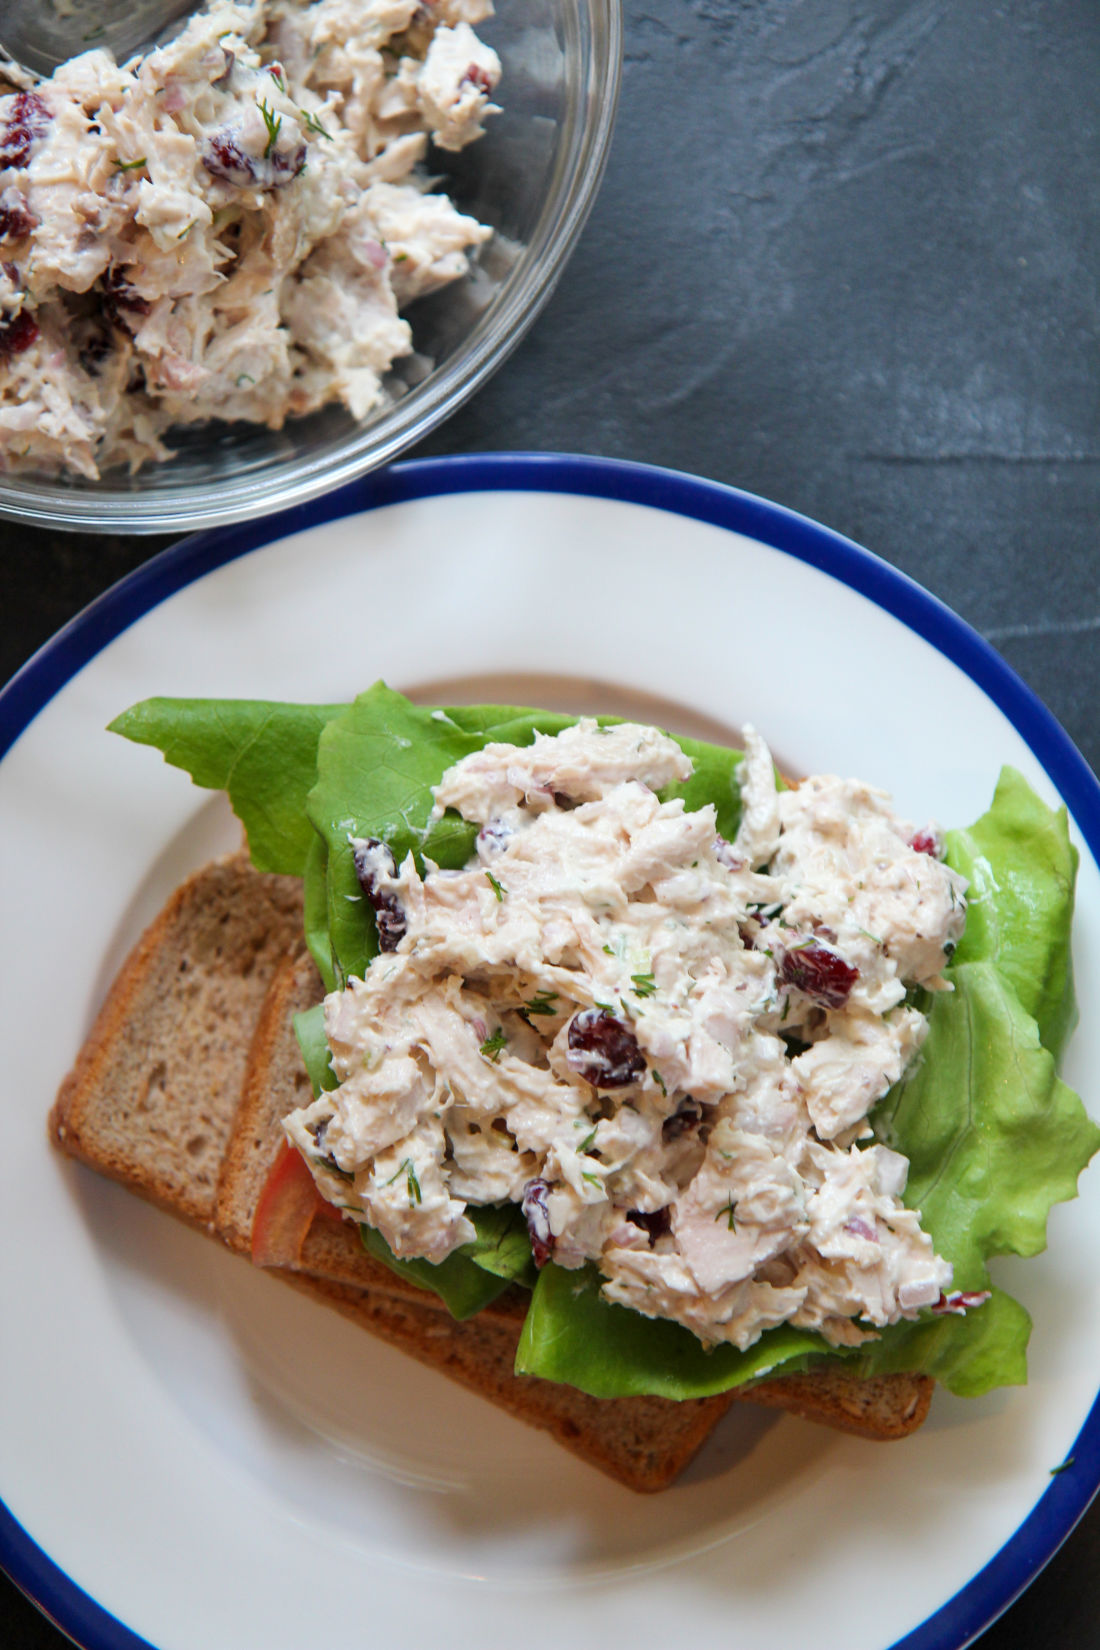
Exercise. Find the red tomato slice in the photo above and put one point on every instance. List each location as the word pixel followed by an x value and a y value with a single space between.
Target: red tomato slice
pixel 285 1210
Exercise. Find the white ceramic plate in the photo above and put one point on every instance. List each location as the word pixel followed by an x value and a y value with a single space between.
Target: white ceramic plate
pixel 192 1454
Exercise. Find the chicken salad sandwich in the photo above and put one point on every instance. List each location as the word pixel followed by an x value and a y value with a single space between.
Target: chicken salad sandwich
pixel 730 1082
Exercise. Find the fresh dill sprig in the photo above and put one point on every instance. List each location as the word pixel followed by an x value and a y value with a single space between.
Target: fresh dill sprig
pixel 492 1046
pixel 407 1168
pixel 729 1210
pixel 543 1002
pixel 312 124
pixel 330 1165
pixel 129 165
pixel 644 985
pixel 274 124
pixel 497 888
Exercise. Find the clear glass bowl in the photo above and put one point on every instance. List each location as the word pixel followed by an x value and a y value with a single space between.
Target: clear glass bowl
pixel 533 177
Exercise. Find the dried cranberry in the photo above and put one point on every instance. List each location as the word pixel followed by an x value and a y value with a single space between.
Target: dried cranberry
pixel 687 1117
pixel 389 917
pixel 224 158
pixel 603 1050
pixel 27 119
pixel 16 218
pixel 477 77
pixel 823 975
pixel 925 843
pixel 657 1224
pixel 18 334
pixel 536 1212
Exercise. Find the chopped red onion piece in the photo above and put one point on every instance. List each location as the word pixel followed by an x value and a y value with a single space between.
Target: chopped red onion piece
pixel 961 1300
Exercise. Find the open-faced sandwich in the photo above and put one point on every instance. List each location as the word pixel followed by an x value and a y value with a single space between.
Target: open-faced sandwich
pixel 614 1077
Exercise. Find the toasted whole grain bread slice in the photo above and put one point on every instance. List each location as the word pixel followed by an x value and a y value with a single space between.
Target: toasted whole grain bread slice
pixel 152 1098
pixel 180 1091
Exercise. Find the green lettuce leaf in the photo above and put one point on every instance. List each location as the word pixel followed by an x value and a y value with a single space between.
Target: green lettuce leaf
pixel 263 754
pixel 994 1138
pixel 1021 867
pixel 984 1348
pixel 477 1273
pixel 572 1334
pixel 315 911
pixel 463 1286
pixel 715 780
pixel 309 1028
pixel 502 1245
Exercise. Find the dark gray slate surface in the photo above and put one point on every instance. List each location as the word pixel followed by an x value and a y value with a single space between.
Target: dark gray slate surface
pixel 846 256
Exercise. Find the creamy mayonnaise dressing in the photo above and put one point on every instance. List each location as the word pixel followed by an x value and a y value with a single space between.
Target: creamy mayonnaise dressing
pixel 230 226
pixel 662 1045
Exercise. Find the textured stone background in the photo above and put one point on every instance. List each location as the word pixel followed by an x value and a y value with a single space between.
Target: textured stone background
pixel 845 256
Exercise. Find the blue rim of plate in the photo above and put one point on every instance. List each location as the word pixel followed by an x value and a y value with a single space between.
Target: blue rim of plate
pixel 977 1605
